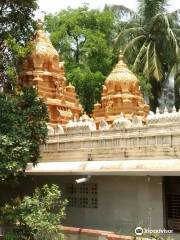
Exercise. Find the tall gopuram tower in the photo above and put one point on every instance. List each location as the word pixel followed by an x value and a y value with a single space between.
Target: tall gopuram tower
pixel 44 70
pixel 121 94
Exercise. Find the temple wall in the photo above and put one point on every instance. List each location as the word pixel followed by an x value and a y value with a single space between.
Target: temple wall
pixel 123 202
pixel 147 142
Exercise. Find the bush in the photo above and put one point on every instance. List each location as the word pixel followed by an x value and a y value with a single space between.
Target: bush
pixel 36 217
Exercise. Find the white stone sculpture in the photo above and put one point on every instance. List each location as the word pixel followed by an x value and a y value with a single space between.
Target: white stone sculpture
pixel 50 130
pixel 121 123
pixel 92 124
pixel 164 117
pixel 84 124
pixel 103 125
pixel 59 129
pixel 136 121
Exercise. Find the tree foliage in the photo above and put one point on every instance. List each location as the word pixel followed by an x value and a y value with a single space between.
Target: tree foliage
pixel 151 41
pixel 36 217
pixel 84 38
pixel 88 85
pixel 22 115
pixel 22 129
pixel 16 28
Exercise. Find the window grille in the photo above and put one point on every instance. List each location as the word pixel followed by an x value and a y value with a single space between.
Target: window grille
pixel 172 202
pixel 82 195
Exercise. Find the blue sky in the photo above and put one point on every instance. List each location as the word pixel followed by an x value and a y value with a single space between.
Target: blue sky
pixel 52 6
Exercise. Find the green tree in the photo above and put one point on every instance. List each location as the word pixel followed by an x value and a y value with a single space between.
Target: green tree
pixel 88 85
pixel 151 42
pixel 84 39
pixel 23 128
pixel 16 28
pixel 38 216
pixel 22 115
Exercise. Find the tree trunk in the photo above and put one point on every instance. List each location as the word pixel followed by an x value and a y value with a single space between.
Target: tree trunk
pixel 156 91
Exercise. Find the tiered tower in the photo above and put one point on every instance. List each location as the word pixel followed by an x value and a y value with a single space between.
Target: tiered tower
pixel 121 94
pixel 43 70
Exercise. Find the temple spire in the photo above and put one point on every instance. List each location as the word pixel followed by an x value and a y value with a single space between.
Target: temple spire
pixel 121 93
pixel 43 70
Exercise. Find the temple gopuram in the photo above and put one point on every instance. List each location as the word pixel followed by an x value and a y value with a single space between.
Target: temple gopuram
pixel 121 94
pixel 44 70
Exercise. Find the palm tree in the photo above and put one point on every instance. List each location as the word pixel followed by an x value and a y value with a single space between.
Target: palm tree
pixel 151 40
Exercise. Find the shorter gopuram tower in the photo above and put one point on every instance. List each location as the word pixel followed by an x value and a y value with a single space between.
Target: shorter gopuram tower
pixel 121 94
pixel 44 70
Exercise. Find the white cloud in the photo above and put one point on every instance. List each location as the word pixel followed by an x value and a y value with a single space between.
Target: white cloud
pixel 52 6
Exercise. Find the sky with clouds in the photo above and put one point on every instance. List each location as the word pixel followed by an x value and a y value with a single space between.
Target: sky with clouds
pixel 52 6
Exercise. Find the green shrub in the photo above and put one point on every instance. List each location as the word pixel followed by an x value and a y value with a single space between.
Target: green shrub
pixel 36 217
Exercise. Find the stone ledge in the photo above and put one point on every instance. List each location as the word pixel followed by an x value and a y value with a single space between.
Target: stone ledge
pixel 96 233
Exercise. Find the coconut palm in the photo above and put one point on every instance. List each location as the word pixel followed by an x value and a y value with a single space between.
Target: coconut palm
pixel 151 40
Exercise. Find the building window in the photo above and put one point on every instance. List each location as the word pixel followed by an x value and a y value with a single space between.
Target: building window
pixel 82 195
pixel 172 202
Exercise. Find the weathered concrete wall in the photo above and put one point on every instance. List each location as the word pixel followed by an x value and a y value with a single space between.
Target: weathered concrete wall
pixel 123 203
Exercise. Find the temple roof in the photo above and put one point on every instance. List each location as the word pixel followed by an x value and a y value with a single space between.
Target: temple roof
pixel 121 72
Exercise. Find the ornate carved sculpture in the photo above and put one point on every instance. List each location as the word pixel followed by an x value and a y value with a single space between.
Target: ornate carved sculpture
pixel 136 121
pixel 163 117
pixel 59 129
pixel 103 125
pixel 121 93
pixel 85 124
pixel 121 123
pixel 43 70
pixel 50 130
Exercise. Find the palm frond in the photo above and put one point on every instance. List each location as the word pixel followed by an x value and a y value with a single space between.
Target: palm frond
pixel 147 58
pixel 148 9
pixel 126 32
pixel 123 12
pixel 132 43
pixel 176 67
pixel 133 23
pixel 156 69
pixel 171 77
pixel 133 30
pixel 164 27
pixel 176 30
pixel 159 19
pixel 174 16
pixel 173 40
pixel 139 63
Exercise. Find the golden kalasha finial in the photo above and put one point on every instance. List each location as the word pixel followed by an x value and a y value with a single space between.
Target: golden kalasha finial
pixel 121 56
pixel 39 24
